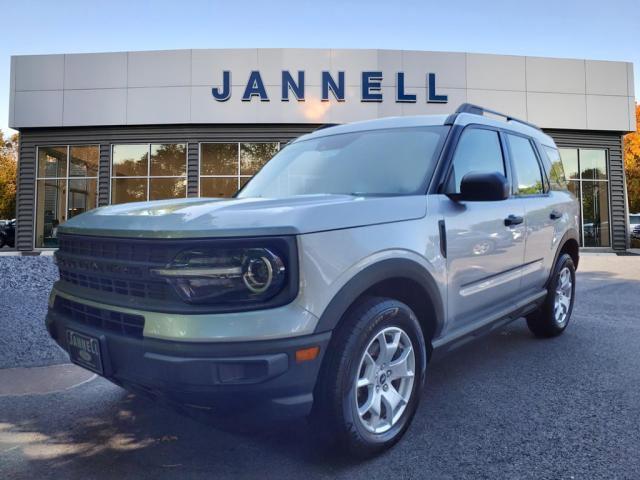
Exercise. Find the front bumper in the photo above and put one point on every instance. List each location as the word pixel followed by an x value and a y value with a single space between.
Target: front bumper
pixel 257 376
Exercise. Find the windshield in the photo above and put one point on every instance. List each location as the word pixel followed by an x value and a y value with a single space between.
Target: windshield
pixel 376 162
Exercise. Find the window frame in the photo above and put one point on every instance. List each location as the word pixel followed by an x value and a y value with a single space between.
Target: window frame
pixel 454 147
pixel 238 176
pixel 66 179
pixel 148 177
pixel 543 171
pixel 580 181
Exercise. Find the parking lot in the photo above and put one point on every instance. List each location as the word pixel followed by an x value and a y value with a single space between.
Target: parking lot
pixel 509 406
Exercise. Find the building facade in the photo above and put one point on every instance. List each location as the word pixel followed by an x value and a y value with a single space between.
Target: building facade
pixel 106 128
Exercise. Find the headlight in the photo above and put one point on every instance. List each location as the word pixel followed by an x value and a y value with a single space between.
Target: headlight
pixel 226 275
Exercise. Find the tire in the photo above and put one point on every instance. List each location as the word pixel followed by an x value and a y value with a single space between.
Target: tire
pixel 2 241
pixel 546 322
pixel 337 399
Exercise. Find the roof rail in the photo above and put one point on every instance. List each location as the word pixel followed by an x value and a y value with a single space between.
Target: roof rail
pixel 478 110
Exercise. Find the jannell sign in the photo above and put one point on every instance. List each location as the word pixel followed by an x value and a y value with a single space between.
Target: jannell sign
pixel 371 88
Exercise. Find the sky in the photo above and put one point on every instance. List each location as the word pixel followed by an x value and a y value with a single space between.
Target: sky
pixel 603 29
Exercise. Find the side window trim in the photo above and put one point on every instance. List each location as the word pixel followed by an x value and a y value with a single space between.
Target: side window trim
pixel 546 186
pixel 543 177
pixel 452 153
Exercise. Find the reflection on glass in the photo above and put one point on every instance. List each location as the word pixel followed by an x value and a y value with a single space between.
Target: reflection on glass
pixel 130 160
pixel 570 163
pixel 125 190
pixel 526 166
pixel 478 150
pixel 163 188
pixel 254 155
pixel 50 213
pixel 593 164
pixel 595 214
pixel 243 181
pixel 82 196
pixel 556 173
pixel 84 161
pixel 219 159
pixel 52 162
pixel 218 187
pixel 168 159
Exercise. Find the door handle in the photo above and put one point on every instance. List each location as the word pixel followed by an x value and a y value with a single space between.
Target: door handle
pixel 555 215
pixel 513 220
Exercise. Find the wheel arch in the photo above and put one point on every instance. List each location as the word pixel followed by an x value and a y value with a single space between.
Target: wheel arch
pixel 568 244
pixel 402 279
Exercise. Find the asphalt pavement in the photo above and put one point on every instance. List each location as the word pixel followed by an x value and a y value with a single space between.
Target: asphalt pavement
pixel 506 407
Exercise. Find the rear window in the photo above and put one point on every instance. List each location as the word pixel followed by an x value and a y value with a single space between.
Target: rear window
pixel 556 171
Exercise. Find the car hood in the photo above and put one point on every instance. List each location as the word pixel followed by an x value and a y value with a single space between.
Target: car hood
pixel 212 217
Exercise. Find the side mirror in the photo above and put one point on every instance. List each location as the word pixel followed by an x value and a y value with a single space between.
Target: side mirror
pixel 483 187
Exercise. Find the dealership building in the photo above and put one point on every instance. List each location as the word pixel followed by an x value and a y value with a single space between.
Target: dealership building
pixel 106 128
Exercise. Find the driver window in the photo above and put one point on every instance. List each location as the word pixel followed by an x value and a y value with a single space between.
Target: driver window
pixel 478 151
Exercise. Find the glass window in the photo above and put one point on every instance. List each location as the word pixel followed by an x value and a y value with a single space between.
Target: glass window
pixel 52 162
pixel 219 159
pixel 589 183
pixel 222 187
pixel 83 195
pixel 163 188
pixel 254 155
pixel 385 162
pixel 148 172
pixel 570 163
pixel 125 190
pixel 556 171
pixel 593 164
pixel 83 161
pixel 527 167
pixel 225 167
pixel 66 186
pixel 595 214
pixel 51 208
pixel 478 150
pixel 168 159
pixel 130 160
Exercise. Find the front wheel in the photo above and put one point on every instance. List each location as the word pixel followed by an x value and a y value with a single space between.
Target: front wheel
pixel 553 316
pixel 370 384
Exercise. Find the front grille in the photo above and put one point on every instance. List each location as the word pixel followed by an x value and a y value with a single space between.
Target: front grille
pixel 124 250
pixel 100 318
pixel 156 290
pixel 116 266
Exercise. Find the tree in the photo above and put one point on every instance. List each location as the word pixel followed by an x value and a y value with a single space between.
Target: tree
pixel 8 176
pixel 632 165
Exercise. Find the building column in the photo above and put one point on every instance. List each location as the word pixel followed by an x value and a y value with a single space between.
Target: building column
pixel 193 169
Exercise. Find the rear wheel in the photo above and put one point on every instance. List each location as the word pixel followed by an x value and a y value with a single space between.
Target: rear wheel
pixel 553 316
pixel 370 385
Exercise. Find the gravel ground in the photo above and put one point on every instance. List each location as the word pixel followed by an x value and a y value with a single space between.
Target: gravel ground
pixel 25 283
pixel 506 407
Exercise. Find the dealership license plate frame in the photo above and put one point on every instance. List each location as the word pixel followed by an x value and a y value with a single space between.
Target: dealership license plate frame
pixel 90 358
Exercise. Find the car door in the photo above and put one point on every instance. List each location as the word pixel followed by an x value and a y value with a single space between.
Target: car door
pixel 542 210
pixel 485 239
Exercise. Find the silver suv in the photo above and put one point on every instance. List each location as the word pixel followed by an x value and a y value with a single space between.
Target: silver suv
pixel 328 283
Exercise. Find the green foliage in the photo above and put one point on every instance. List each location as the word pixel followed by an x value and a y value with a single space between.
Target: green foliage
pixel 632 166
pixel 8 176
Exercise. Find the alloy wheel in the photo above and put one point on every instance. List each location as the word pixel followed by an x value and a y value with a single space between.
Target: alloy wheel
pixel 385 379
pixel 564 292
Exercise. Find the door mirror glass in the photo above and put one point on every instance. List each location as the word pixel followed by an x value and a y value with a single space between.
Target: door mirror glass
pixel 483 187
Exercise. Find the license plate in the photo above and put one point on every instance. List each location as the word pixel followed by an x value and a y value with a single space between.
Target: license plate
pixel 84 350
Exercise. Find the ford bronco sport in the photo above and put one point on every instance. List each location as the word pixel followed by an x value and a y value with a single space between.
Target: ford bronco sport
pixel 326 285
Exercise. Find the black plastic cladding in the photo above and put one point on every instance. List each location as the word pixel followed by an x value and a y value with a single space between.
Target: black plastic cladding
pixel 116 271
